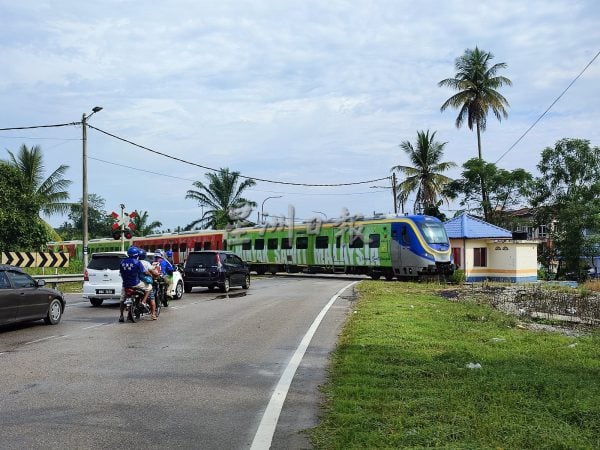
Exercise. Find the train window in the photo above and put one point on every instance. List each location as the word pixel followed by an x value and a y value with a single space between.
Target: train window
pixel 374 241
pixel 167 247
pixel 224 244
pixel 356 241
pixel 480 257
pixel 175 248
pixel 405 236
pixel 302 243
pixel 322 242
pixel 259 244
pixel 286 243
pixel 246 245
pixel 338 242
pixel 272 244
pixel 152 248
pixel 207 245
pixel 197 246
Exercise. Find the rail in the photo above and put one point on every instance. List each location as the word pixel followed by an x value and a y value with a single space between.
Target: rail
pixel 53 280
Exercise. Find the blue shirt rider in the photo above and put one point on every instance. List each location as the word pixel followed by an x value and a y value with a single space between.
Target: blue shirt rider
pixel 130 269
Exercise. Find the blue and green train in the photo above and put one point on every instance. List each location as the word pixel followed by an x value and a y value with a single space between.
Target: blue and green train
pixel 400 247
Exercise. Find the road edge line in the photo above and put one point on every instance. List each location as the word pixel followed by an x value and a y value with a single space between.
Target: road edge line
pixel 264 435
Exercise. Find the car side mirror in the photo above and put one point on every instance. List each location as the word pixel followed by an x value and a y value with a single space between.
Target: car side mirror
pixel 40 283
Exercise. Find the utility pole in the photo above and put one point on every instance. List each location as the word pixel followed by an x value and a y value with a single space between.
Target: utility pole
pixel 84 212
pixel 122 227
pixel 394 192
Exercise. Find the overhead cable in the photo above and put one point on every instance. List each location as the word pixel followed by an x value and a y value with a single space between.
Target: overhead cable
pixel 241 176
pixel 549 107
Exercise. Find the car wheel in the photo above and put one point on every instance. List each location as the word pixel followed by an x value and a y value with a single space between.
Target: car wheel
pixel 187 288
pixel 246 284
pixel 225 287
pixel 179 290
pixel 54 312
pixel 96 301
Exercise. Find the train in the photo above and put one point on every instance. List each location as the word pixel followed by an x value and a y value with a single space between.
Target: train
pixel 395 246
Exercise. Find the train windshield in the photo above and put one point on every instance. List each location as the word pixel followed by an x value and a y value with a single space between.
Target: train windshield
pixel 433 232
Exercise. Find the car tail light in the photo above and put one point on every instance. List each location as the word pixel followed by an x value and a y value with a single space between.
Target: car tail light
pixel 86 276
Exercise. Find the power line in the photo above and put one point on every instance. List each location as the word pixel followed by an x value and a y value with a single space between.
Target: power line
pixel 251 189
pixel 549 107
pixel 241 176
pixel 42 126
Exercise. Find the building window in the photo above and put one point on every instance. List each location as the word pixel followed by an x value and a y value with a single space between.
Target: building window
pixel 542 231
pixel 480 257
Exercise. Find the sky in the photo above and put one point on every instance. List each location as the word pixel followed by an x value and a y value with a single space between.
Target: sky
pixel 307 92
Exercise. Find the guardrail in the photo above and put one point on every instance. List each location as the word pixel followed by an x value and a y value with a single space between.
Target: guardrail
pixel 53 280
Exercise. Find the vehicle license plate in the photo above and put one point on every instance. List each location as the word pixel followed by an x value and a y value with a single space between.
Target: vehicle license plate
pixel 105 291
pixel 200 269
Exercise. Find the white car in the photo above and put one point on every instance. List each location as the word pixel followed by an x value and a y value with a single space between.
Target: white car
pixel 102 279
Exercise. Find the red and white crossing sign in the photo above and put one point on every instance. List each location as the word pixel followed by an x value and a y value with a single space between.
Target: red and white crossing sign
pixel 125 221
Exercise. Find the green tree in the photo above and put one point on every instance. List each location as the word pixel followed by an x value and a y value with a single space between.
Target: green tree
pixel 506 189
pixel 52 191
pixel 477 82
pixel 142 224
pixel 424 176
pixel 20 225
pixel 568 193
pixel 99 222
pixel 223 196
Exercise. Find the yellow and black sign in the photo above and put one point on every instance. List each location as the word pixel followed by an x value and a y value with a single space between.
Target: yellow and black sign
pixel 35 259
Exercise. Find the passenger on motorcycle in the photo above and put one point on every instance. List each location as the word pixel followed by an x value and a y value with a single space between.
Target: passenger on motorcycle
pixel 166 269
pixel 147 277
pixel 130 270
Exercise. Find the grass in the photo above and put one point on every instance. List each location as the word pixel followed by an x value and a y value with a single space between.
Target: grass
pixel 399 378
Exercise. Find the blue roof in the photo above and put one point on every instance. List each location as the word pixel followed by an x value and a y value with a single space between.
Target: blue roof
pixel 466 226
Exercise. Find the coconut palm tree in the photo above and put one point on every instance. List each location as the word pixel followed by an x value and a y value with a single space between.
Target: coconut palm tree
pixel 51 191
pixel 425 175
pixel 223 196
pixel 142 224
pixel 476 83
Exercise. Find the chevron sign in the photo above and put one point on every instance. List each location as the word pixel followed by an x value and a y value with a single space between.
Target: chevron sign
pixel 35 259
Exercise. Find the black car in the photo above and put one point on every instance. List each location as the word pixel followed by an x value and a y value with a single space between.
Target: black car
pixel 24 299
pixel 215 269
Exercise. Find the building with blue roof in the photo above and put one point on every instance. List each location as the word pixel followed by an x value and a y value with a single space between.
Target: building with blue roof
pixel 488 252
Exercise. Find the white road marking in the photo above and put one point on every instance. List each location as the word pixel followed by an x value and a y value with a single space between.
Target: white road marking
pixel 94 326
pixel 266 429
pixel 39 340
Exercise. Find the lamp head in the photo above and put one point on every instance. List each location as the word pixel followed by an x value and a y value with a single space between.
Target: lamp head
pixel 96 109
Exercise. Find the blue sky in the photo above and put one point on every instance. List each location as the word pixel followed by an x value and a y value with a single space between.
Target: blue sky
pixel 304 92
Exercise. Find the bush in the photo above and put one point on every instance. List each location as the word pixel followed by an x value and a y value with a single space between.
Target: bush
pixel 458 276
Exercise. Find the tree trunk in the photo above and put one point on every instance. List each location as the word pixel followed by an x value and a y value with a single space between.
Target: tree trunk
pixel 484 197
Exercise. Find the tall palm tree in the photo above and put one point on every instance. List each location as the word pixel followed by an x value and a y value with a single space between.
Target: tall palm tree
pixel 425 175
pixel 142 224
pixel 53 190
pixel 476 83
pixel 222 195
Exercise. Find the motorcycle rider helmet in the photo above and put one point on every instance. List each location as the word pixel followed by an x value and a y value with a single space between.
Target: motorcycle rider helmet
pixel 169 253
pixel 159 253
pixel 142 254
pixel 133 251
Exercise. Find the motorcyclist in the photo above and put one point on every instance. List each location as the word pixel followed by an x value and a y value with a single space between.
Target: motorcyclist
pixel 147 278
pixel 166 269
pixel 130 269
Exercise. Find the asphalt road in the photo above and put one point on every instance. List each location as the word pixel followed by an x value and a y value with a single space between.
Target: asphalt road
pixel 199 377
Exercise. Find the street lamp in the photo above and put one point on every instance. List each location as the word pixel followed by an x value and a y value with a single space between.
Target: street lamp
pixel 263 207
pixel 84 215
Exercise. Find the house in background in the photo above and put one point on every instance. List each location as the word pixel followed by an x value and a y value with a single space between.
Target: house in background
pixel 487 252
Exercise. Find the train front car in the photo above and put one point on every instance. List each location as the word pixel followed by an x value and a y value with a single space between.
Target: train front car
pixel 420 247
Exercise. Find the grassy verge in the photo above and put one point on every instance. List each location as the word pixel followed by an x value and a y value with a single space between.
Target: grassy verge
pixel 399 378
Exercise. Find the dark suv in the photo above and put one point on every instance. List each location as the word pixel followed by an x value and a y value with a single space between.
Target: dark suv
pixel 214 269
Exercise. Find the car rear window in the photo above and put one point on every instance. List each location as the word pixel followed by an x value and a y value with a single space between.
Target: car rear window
pixel 105 262
pixel 201 260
